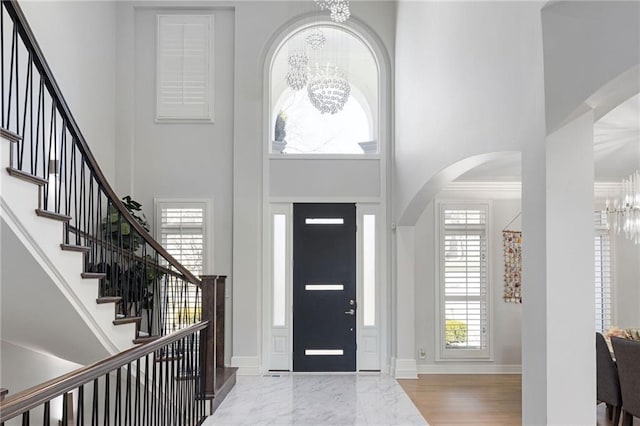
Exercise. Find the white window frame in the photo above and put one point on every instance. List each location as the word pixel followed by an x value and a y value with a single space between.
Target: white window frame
pixel 207 206
pixel 459 354
pixel 602 230
pixel 184 114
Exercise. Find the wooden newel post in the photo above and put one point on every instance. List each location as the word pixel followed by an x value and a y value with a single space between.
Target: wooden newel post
pixel 213 302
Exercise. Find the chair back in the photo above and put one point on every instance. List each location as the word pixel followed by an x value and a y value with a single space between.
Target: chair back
pixel 627 354
pixel 608 383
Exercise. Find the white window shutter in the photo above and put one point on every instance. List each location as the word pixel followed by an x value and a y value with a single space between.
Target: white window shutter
pixel 603 275
pixel 464 309
pixel 184 79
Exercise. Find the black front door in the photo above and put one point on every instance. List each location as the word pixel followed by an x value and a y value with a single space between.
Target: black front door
pixel 324 287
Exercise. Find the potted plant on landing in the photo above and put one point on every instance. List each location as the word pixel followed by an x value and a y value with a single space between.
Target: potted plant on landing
pixel 128 274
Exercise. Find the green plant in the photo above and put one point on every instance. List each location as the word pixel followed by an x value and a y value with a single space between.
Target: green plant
pixel 133 278
pixel 122 234
pixel 455 331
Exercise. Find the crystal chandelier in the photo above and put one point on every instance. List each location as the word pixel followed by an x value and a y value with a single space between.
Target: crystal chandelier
pixel 316 39
pixel 624 214
pixel 328 89
pixel 339 9
pixel 298 74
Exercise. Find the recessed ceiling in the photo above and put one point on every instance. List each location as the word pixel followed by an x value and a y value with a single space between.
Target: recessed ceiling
pixel 616 149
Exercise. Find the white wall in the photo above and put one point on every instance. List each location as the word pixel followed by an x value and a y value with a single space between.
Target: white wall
pixel 81 50
pixel 600 36
pixel 468 82
pixel 506 317
pixel 42 367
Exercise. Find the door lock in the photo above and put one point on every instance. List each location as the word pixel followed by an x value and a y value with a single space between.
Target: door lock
pixel 350 312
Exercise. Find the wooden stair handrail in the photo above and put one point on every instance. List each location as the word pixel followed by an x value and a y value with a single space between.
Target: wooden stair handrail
pixel 38 395
pixel 50 82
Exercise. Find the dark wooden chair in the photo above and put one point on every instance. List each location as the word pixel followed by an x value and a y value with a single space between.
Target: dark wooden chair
pixel 608 384
pixel 627 354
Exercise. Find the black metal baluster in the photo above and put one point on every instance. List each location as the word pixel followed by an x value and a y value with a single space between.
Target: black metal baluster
pixel 25 419
pixel 117 409
pixel 17 82
pixel 32 153
pixel 137 401
pixel 46 415
pixel 2 60
pixel 37 138
pixel 127 398
pixel 107 403
pixel 146 413
pixel 155 392
pixel 80 411
pixel 24 118
pixel 13 48
pixel 74 177
pixel 65 409
pixel 95 411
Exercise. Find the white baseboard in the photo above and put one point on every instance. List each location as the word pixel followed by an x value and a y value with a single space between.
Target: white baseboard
pixel 247 365
pixel 471 368
pixel 405 369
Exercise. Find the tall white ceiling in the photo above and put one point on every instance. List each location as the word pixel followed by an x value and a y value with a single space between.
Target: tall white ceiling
pixel 616 149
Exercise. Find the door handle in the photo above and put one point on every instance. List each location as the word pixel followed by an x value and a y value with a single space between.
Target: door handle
pixel 350 312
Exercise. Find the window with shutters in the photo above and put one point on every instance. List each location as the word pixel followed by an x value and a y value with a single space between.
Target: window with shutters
pixel 184 83
pixel 603 278
pixel 463 288
pixel 182 228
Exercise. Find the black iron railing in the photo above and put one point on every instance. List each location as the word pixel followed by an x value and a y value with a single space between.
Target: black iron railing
pixel 150 286
pixel 159 383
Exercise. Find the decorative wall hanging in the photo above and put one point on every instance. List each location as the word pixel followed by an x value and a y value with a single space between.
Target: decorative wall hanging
pixel 512 243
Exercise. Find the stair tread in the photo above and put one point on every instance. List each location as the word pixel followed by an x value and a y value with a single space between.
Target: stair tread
pixel 8 134
pixel 93 275
pixel 53 215
pixel 73 247
pixel 108 299
pixel 146 339
pixel 19 174
pixel 127 320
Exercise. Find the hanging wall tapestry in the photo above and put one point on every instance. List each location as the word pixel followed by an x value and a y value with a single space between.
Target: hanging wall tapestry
pixel 512 242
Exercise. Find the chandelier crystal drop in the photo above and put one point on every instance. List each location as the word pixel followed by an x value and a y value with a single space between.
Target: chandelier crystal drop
pixel 339 9
pixel 298 74
pixel 328 90
pixel 297 79
pixel 624 214
pixel 316 39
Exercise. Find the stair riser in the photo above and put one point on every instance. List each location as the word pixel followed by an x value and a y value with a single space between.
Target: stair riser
pixel 42 237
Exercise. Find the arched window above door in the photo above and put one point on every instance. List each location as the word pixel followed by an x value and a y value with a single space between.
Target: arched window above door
pixel 297 124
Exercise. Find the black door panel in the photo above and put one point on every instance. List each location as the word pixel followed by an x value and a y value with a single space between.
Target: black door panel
pixel 324 254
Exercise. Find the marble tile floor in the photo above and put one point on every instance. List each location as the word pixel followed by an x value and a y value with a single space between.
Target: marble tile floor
pixel 314 400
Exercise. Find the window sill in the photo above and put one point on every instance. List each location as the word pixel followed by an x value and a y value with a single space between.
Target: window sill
pixel 289 157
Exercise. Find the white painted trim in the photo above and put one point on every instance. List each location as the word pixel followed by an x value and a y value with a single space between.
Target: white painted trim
pixel 247 365
pixel 208 257
pixel 405 369
pixel 442 354
pixel 293 200
pixel 289 157
pixel 472 368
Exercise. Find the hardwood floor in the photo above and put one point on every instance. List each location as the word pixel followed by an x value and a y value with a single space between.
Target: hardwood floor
pixel 477 399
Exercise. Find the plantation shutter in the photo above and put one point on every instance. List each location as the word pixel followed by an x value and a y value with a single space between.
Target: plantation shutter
pixel 181 226
pixel 464 282
pixel 602 244
pixel 184 80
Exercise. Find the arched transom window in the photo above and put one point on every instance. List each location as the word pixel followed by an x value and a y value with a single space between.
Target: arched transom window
pixel 324 100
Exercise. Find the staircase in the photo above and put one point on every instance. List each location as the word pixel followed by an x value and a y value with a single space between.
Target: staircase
pixel 120 287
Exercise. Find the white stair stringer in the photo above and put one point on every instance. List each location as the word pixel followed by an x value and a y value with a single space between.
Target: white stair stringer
pixel 42 238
